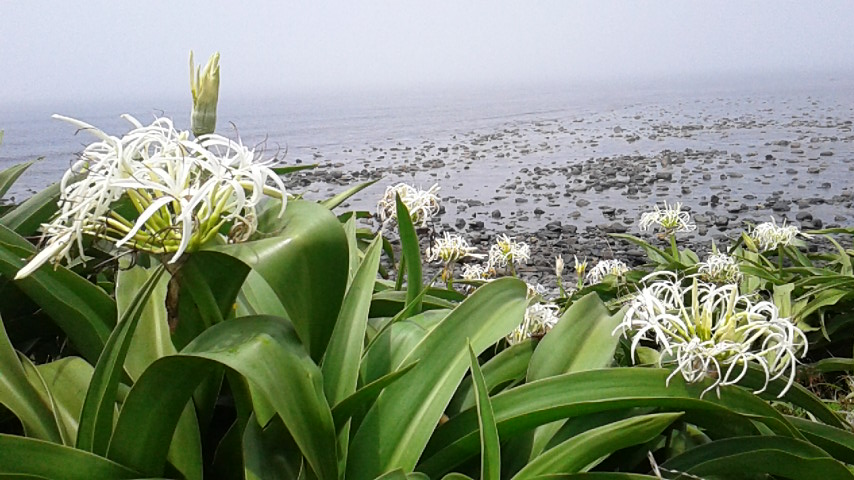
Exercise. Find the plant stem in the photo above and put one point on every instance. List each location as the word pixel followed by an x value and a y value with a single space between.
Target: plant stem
pixel 673 248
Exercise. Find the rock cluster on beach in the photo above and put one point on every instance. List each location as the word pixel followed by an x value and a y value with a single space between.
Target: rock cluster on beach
pixel 563 183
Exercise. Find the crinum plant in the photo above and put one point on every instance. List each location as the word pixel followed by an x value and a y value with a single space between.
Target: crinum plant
pixel 183 193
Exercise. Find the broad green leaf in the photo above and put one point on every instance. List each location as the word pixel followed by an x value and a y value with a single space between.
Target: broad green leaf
pixel 96 418
pixel 583 339
pixel 343 196
pixel 352 248
pixel 396 429
pixel 256 297
pixel 759 455
pixel 151 339
pixel 599 476
pixel 11 174
pixel 22 398
pixel 268 354
pixel 389 303
pixel 835 441
pixel 508 367
pixel 341 363
pixel 270 452
pixel 26 218
pixel 555 398
pixel 584 449
pixel 387 351
pixel 362 398
pixel 207 285
pixel 411 255
pixel 490 447
pixel 18 457
pixel 67 380
pixel 306 265
pixel 82 310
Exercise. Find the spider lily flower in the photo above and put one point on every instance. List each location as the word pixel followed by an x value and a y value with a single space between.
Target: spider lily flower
pixel 184 192
pixel 719 268
pixel 769 235
pixel 423 205
pixel 508 252
pixel 604 268
pixel 473 271
pixel 451 248
pixel 712 331
pixel 204 85
pixel 539 319
pixel 671 219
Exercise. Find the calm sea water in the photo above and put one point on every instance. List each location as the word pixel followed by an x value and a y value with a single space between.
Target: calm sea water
pixel 309 127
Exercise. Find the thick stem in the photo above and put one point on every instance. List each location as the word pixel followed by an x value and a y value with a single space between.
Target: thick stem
pixel 674 250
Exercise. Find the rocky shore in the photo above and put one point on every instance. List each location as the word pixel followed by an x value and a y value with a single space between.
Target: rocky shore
pixel 564 183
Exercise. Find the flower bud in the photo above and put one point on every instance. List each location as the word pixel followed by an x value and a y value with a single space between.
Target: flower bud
pixel 204 85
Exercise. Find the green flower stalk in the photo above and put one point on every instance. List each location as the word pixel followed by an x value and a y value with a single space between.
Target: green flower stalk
pixel 204 84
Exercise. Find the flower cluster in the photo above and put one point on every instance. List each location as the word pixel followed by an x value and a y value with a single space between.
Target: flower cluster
pixel 450 248
pixel 473 271
pixel 507 251
pixel 671 219
pixel 769 235
pixel 602 269
pixel 539 319
pixel 719 268
pixel 423 205
pixel 184 192
pixel 712 331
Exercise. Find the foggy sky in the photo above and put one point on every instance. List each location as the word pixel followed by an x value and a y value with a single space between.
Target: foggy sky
pixel 59 50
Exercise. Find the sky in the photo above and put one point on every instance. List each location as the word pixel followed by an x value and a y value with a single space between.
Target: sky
pixel 93 50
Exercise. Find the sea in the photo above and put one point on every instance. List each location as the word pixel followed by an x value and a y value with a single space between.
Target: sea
pixel 374 129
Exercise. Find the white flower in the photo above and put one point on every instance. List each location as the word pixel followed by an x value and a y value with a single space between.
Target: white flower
pixel 536 289
pixel 539 319
pixel 604 268
pixel 204 85
pixel 671 219
pixel 559 266
pixel 473 271
pixel 712 331
pixel 422 204
pixel 769 235
pixel 183 192
pixel 719 268
pixel 507 251
pixel 450 248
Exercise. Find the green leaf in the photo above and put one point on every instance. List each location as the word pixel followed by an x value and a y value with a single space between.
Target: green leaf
pixel 582 340
pixel 26 218
pixel 27 456
pixel 67 380
pixel 22 398
pixel 306 265
pixel 82 310
pixel 343 196
pixel 268 354
pixel 555 398
pixel 508 367
pixel 341 363
pixel 411 253
pixel 270 452
pixel 835 441
pixel 393 344
pixel 11 174
pixel 490 447
pixel 151 339
pixel 364 396
pixel 584 449
pixel 96 418
pixel 396 429
pixel 286 170
pixel 759 455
